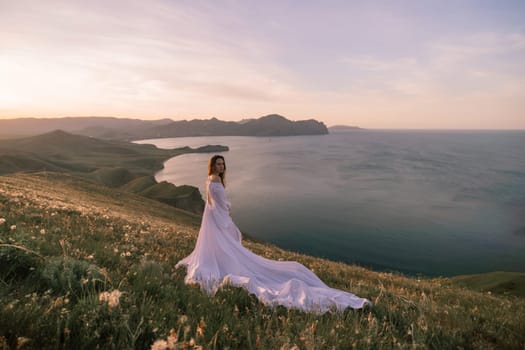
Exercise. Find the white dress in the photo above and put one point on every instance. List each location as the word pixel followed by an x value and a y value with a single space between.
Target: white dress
pixel 219 258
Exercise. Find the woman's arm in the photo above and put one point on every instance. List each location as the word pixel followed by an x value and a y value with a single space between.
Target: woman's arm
pixel 218 195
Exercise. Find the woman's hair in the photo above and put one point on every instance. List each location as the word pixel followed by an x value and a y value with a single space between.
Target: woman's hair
pixel 211 166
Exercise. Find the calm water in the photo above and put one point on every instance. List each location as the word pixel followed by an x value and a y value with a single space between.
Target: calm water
pixel 419 202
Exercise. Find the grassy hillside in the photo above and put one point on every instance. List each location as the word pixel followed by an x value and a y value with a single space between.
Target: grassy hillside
pixel 81 154
pixel 499 282
pixel 104 127
pixel 112 163
pixel 84 266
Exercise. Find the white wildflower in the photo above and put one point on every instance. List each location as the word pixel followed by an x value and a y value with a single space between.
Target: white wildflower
pixel 13 227
pixel 21 341
pixel 159 345
pixel 112 298
pixel 2 221
pixel 172 339
pixel 42 232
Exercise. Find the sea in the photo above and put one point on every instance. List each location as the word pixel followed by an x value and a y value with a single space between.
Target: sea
pixel 419 202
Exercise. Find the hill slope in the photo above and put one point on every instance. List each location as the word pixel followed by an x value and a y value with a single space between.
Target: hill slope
pixel 499 282
pixel 119 126
pixel 109 162
pixel 84 266
pixel 81 153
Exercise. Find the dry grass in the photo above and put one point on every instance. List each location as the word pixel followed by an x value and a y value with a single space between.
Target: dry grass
pixel 85 266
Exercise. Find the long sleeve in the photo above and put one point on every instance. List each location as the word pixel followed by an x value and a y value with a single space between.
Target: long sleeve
pixel 219 207
pixel 218 197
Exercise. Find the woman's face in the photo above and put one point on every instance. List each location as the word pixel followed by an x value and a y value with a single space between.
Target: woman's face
pixel 219 166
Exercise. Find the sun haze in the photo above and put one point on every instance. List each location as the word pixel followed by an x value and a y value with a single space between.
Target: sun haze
pixel 380 64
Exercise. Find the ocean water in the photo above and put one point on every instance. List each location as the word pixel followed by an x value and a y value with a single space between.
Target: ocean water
pixel 435 203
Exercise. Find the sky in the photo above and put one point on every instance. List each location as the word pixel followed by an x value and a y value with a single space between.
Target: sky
pixel 374 64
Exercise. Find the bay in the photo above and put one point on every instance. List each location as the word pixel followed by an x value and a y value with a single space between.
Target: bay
pixel 419 202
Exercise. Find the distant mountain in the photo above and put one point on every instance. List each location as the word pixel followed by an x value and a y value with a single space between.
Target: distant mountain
pixel 134 129
pixel 343 128
pixel 116 128
pixel 270 125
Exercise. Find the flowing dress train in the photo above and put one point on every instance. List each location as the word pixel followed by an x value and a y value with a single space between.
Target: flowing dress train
pixel 219 258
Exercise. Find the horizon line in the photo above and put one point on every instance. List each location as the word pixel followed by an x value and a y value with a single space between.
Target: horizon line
pixel 293 120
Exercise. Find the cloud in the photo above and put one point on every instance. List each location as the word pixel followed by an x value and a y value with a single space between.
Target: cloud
pixel 140 54
pixel 234 59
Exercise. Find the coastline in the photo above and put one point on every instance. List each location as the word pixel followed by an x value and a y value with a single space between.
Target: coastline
pixel 318 240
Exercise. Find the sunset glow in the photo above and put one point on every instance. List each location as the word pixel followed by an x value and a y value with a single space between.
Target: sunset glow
pixel 445 65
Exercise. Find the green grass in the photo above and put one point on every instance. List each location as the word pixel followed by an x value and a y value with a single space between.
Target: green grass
pixel 140 184
pixel 499 282
pixel 97 239
pixel 112 177
pixel 81 154
pixel 111 163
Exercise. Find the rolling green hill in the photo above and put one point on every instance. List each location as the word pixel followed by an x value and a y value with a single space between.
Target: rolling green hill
pixel 112 163
pixel 85 266
pixel 498 282
pixel 82 153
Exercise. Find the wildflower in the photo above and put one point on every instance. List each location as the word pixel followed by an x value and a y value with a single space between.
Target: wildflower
pixel 183 319
pixel 2 221
pixel 159 345
pixel 58 302
pixel 42 232
pixel 13 227
pixel 111 298
pixel 115 250
pixel 172 338
pixel 90 257
pixel 201 327
pixel 21 341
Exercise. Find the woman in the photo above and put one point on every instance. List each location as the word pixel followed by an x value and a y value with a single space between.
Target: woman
pixel 219 258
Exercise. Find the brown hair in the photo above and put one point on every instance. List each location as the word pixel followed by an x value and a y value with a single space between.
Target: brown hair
pixel 211 166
